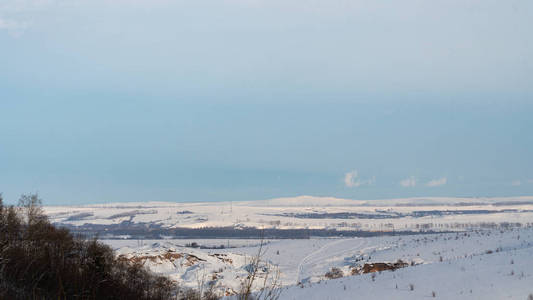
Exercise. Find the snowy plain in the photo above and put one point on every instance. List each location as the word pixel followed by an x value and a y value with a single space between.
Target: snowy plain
pixel 305 212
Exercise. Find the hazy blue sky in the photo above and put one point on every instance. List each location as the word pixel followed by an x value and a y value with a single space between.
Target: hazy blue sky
pixel 105 101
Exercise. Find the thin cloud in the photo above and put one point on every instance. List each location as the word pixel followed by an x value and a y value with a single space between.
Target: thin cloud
pixel 437 182
pixel 351 179
pixel 516 183
pixel 14 28
pixel 408 182
pixel 6 24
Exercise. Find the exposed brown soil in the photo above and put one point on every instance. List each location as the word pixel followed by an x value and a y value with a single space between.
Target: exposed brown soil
pixel 170 256
pixel 192 259
pixel 378 267
pixel 223 258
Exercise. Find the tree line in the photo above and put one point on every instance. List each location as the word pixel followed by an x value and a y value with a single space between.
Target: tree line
pixel 41 261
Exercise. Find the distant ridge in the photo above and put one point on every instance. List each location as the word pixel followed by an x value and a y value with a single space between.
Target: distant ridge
pixel 313 201
pixel 317 201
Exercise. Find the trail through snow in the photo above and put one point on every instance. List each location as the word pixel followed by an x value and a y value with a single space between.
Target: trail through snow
pixel 324 255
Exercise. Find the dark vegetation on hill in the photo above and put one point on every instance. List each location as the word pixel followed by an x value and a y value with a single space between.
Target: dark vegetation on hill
pixel 157 231
pixel 40 261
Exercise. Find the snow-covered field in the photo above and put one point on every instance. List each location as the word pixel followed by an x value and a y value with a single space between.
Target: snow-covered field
pixel 501 275
pixel 307 212
pixel 479 248
pixel 484 264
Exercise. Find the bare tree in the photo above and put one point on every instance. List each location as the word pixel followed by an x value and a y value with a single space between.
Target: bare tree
pixel 31 205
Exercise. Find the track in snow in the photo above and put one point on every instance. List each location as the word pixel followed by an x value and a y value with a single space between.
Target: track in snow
pixel 328 252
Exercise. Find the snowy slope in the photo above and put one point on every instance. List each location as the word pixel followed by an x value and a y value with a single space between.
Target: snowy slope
pixel 502 275
pixel 193 268
pixel 494 264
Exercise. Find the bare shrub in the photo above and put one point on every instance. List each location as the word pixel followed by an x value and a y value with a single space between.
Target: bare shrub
pixel 259 269
pixel 334 273
pixel 411 287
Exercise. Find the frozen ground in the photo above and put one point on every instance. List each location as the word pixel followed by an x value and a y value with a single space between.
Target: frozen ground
pixel 484 264
pixel 503 275
pixel 483 247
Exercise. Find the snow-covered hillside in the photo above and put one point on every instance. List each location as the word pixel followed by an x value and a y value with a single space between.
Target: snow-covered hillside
pixel 501 273
pixel 483 264
pixel 448 248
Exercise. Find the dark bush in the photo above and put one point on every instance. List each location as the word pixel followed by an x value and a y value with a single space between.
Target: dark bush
pixel 40 261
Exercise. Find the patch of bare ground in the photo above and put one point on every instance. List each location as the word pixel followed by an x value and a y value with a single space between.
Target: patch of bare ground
pixel 223 258
pixel 378 267
pixel 168 256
